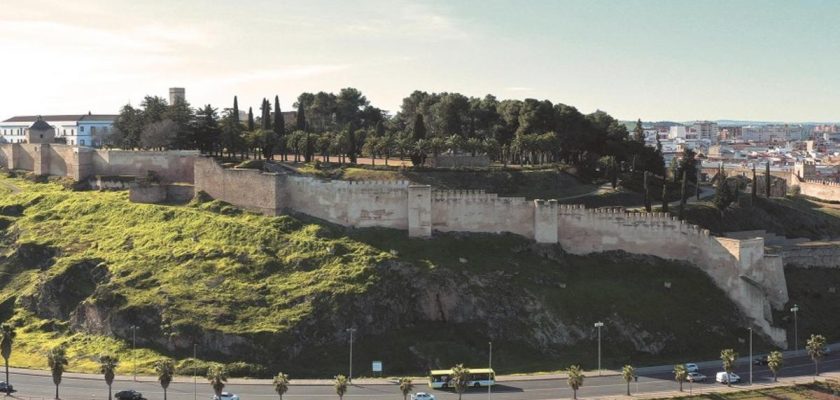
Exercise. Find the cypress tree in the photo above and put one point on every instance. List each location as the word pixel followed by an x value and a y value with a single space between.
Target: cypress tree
pixel 754 184
pixel 697 185
pixel 266 122
pixel 647 193
pixel 351 148
pixel 250 119
pixel 767 180
pixel 236 110
pixel 664 194
pixel 301 118
pixel 682 196
pixel 419 131
pixel 279 127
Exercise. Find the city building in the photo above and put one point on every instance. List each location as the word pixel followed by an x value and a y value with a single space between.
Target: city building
pixel 77 130
pixel 705 130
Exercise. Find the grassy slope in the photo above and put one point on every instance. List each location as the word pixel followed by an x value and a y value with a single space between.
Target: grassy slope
pixel 210 267
pixel 792 217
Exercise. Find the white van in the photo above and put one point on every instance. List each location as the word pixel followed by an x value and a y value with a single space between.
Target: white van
pixel 720 377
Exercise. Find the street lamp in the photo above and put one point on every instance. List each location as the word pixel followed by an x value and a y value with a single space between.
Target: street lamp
pixel 489 375
pixel 195 371
pixel 599 325
pixel 134 349
pixel 751 355
pixel 350 375
pixel 794 309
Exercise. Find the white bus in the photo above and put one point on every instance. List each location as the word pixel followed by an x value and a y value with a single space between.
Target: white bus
pixel 479 377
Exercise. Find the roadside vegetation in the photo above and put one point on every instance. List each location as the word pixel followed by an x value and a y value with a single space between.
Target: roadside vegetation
pixel 807 391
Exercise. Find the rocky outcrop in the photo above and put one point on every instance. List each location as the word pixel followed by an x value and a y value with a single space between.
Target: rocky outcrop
pixel 58 295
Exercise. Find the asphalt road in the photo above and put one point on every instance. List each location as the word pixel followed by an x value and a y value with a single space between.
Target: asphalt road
pixel 40 387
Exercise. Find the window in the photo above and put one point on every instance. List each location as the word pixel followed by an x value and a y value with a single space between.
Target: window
pixel 81 142
pixel 81 129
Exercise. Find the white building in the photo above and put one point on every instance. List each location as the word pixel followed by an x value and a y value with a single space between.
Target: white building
pixel 706 130
pixel 77 130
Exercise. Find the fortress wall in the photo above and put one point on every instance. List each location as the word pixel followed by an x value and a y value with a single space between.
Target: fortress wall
pixel 752 280
pixel 476 211
pixel 246 188
pixel 7 155
pixel 171 166
pixel 823 190
pixel 349 203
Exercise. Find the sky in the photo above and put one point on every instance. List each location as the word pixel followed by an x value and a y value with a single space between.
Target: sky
pixel 654 60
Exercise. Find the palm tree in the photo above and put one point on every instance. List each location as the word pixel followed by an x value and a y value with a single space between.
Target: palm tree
pixel 680 374
pixel 165 369
pixel 57 360
pixel 628 373
pixel 8 337
pixel 728 356
pixel 281 384
pixel 774 362
pixel 575 379
pixel 816 349
pixel 340 386
pixel 406 386
pixel 460 379
pixel 217 375
pixel 107 366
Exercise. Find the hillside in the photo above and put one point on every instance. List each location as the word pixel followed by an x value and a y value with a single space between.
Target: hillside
pixel 278 292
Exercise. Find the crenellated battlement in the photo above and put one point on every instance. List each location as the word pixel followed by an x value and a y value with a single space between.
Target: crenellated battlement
pixel 822 182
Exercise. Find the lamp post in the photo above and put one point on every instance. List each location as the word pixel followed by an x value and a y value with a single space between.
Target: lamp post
pixel 195 371
pixel 350 375
pixel 134 349
pixel 599 325
pixel 489 375
pixel 751 356
pixel 794 310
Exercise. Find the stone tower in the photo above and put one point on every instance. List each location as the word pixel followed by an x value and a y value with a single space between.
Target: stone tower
pixel 40 132
pixel 176 94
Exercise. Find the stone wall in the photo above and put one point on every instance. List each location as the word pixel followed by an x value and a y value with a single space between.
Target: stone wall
pixel 156 194
pixel 812 255
pixel 458 161
pixel 753 280
pixel 80 163
pixel 822 190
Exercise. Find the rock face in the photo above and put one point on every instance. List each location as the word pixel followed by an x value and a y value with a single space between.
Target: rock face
pixel 58 295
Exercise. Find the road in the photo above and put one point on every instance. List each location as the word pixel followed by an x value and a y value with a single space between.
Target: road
pixel 90 388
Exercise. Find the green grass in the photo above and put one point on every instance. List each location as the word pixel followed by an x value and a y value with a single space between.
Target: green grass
pixel 280 291
pixel 808 391
pixel 792 217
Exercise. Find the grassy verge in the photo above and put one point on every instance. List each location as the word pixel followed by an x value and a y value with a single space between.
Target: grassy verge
pixel 808 391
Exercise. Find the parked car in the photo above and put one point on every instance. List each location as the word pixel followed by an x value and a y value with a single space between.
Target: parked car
pixel 226 396
pixel 691 367
pixel 422 396
pixel 721 377
pixel 696 377
pixel 761 360
pixel 129 395
pixel 6 388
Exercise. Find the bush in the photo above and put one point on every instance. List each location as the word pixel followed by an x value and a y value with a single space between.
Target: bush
pixel 241 369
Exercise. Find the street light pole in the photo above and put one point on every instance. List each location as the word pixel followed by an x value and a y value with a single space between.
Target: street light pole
pixel 490 366
pixel 350 375
pixel 599 325
pixel 751 357
pixel 195 371
pixel 795 328
pixel 134 349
